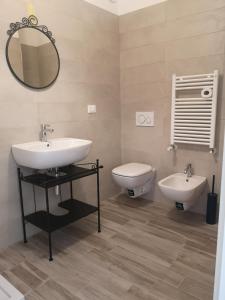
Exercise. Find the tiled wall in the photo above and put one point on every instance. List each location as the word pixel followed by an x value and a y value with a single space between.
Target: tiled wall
pixel 88 43
pixel 178 36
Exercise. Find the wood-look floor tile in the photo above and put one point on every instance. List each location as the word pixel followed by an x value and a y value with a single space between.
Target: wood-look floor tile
pixel 147 265
pixel 33 296
pixel 203 263
pixel 203 245
pixel 16 282
pixel 146 251
pixel 188 271
pixel 126 270
pixel 197 289
pixel 138 292
pixel 9 258
pixel 157 251
pixel 26 276
pixel 163 291
pixel 96 293
pixel 53 290
pixel 35 271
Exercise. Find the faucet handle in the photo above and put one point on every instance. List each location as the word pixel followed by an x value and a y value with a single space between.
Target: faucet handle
pixel 45 126
pixel 188 167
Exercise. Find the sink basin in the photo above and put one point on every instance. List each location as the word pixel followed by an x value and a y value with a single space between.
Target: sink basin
pixel 54 153
pixel 182 189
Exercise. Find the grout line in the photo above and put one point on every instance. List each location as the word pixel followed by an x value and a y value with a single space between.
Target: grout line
pixel 193 14
pixel 173 19
pixel 168 61
pixel 166 42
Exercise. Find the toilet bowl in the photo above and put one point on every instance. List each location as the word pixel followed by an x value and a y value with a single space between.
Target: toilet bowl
pixel 135 178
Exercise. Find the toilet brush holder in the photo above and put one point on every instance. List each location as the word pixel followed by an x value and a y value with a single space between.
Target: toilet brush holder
pixel 211 214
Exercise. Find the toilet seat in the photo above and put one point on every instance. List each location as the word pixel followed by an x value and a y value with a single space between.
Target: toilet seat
pixel 132 170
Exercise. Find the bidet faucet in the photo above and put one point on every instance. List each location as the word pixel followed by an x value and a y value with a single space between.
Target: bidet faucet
pixel 188 170
pixel 45 128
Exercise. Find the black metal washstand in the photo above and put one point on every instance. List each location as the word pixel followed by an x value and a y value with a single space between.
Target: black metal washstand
pixel 76 209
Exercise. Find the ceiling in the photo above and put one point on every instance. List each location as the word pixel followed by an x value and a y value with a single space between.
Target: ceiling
pixel 121 7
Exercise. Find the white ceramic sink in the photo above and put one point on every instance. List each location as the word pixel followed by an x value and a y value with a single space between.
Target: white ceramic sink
pixel 180 188
pixel 54 153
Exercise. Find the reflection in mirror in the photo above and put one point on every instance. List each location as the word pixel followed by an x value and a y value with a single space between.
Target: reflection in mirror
pixel 32 57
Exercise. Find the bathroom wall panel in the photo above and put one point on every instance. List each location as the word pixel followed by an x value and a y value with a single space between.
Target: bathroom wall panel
pixel 145 36
pixel 142 18
pixel 143 73
pixel 197 24
pixel 152 47
pixel 142 55
pixel 149 91
pixel 88 43
pixel 193 37
pixel 179 8
pixel 203 45
pixel 83 11
pixel 188 26
pixel 195 65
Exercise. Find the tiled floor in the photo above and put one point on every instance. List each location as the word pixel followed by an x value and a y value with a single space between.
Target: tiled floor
pixel 145 251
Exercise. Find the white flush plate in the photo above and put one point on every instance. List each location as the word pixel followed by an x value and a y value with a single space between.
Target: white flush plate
pixel 145 119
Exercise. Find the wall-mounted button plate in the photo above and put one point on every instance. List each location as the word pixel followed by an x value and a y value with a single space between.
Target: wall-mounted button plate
pixel 145 119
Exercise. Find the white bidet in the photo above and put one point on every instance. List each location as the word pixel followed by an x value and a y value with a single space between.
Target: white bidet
pixel 182 190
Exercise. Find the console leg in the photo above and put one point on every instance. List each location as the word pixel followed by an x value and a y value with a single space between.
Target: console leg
pixel 22 206
pixel 71 190
pixel 98 196
pixel 50 246
pixel 49 226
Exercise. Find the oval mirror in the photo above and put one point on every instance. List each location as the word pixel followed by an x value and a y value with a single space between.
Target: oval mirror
pixel 31 54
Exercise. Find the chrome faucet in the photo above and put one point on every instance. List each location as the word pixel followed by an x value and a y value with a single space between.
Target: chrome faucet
pixel 188 170
pixel 45 128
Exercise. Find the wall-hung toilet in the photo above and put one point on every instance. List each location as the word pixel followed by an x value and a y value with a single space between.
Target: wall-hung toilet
pixel 136 178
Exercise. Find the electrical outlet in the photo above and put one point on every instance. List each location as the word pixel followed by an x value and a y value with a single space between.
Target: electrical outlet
pixel 91 109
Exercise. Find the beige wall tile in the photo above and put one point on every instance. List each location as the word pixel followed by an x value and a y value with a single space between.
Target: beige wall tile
pixel 143 18
pixel 197 24
pixel 129 109
pixel 145 73
pixel 197 65
pixel 144 36
pixel 194 39
pixel 88 43
pixel 188 26
pixel 13 115
pixel 204 45
pixel 181 8
pixel 155 42
pixel 143 91
pixel 141 56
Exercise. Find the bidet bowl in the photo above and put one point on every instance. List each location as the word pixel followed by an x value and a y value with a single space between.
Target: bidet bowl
pixel 180 188
pixel 52 154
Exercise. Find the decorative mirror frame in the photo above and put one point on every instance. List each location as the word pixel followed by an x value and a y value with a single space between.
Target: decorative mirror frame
pixel 30 22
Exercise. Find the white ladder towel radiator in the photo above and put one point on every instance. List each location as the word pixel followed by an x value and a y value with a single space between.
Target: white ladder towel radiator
pixel 193 119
